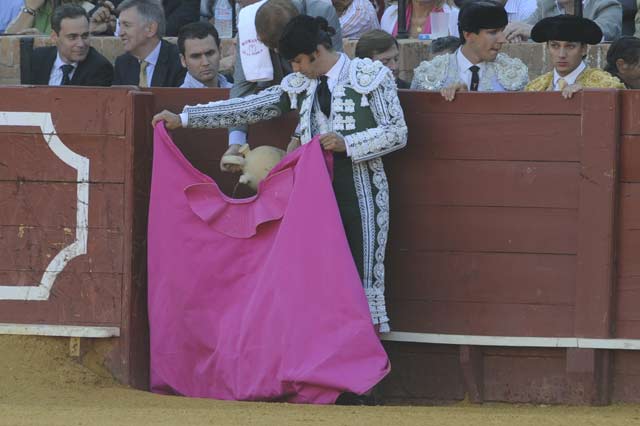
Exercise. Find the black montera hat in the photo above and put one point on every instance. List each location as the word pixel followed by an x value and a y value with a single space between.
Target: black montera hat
pixel 481 15
pixel 302 35
pixel 566 28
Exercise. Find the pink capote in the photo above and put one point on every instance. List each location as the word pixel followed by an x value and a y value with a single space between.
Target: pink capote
pixel 259 298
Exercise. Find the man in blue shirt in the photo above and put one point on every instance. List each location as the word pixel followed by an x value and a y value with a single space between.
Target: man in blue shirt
pixel 9 10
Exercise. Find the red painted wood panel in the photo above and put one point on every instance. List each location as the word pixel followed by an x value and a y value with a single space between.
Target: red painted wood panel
pixel 481 277
pixel 28 247
pixel 534 379
pixel 484 229
pixel 77 110
pixel 628 253
pixel 626 376
pixel 78 298
pixel 630 112
pixel 491 319
pixel 521 103
pixel 26 156
pixel 630 158
pixel 54 204
pixel 598 197
pixel 485 183
pixel 429 373
pixel 456 135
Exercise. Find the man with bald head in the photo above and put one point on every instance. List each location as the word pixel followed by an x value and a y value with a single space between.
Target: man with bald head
pixel 270 20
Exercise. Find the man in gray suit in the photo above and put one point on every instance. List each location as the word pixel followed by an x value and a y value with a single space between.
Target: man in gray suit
pixel 271 19
pixel 606 13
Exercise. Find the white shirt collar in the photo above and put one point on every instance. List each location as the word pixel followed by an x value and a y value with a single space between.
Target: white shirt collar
pixel 569 78
pixel 59 62
pixel 333 75
pixel 464 64
pixel 152 58
pixel 190 82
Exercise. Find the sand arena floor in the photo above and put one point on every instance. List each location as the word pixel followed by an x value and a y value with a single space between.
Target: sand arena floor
pixel 41 385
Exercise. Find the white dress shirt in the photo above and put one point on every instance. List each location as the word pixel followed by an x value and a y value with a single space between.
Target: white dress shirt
pixel 152 60
pixel 569 78
pixel 55 78
pixel 463 68
pixel 190 82
pixel 520 10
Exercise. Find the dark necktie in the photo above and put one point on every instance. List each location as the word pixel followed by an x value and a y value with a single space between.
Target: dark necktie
pixel 324 95
pixel 475 78
pixel 66 70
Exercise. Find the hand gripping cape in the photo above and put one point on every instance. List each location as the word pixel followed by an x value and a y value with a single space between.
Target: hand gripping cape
pixel 259 298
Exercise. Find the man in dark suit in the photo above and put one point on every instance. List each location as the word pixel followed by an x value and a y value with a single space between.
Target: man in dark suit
pixel 71 61
pixel 149 61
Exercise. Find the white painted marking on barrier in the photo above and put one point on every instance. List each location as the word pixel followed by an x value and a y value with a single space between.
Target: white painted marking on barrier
pixel 42 290
pixel 59 330
pixel 512 341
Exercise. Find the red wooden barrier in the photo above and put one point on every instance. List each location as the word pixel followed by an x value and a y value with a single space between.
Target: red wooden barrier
pixel 512 215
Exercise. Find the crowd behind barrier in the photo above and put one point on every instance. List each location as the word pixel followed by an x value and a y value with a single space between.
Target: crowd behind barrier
pixel 412 52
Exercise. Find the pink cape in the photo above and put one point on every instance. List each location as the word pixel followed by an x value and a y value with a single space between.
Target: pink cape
pixel 259 298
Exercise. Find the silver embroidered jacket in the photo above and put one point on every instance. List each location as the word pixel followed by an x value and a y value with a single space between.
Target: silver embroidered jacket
pixel 364 109
pixel 504 73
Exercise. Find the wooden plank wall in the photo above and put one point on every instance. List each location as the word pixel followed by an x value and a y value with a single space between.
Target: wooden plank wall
pixel 38 194
pixel 487 204
pixel 626 371
pixel 504 210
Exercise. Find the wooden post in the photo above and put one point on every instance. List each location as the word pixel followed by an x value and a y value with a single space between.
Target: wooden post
pixel 472 372
pixel 596 242
pixel 131 365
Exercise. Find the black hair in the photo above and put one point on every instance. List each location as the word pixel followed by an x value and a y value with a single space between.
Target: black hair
pixel 65 11
pixel 303 34
pixel 444 45
pixel 197 30
pixel 373 43
pixel 476 15
pixel 626 48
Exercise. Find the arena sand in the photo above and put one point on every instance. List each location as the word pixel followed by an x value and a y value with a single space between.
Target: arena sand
pixel 41 385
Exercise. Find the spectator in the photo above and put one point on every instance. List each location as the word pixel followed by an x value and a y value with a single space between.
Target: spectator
pixel 177 13
pixel 381 46
pixel 443 45
pixel 519 10
pixel 606 13
pixel 356 17
pixel 269 22
pixel 418 21
pixel 149 60
pixel 72 60
pixel 103 18
pixel 476 65
pixel 35 16
pixel 623 61
pixel 567 37
pixel 199 46
pixel 8 12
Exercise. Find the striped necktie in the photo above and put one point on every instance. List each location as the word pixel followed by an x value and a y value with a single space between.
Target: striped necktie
pixel 143 74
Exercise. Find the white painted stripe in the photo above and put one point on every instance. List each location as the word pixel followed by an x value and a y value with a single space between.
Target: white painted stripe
pixel 512 341
pixel 59 330
pixel 42 290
